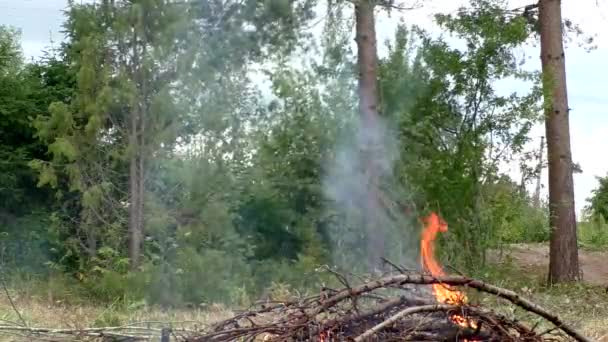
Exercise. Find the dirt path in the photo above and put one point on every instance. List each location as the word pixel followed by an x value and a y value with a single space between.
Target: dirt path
pixel 532 256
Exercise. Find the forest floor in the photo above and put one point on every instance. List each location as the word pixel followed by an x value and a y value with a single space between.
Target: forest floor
pixel 531 257
pixel 521 268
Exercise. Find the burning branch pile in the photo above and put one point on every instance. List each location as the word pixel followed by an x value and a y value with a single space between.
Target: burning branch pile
pixel 391 308
pixel 366 312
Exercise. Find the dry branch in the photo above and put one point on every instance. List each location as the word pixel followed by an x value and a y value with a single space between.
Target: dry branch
pixel 458 281
pixel 123 333
pixel 358 313
pixel 407 311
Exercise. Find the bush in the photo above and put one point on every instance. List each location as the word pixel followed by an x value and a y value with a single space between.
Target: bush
pixel 23 241
pixel 115 287
pixel 300 274
pixel 593 234
pixel 529 225
pixel 196 278
pixel 56 287
pixel 510 216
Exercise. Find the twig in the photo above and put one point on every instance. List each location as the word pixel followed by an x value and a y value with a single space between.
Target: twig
pixel 457 281
pixel 395 266
pixel 326 324
pixel 400 315
pixel 337 315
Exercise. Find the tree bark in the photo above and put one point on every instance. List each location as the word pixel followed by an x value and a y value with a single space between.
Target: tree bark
pixel 134 193
pixel 141 179
pixel 367 61
pixel 136 165
pixel 563 256
pixel 539 170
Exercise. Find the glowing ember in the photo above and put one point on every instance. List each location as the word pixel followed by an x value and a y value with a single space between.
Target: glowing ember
pixel 444 294
pixel 324 337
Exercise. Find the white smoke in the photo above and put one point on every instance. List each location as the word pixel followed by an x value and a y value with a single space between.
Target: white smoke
pixel 368 200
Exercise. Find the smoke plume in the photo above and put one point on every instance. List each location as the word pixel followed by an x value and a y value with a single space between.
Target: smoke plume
pixel 369 201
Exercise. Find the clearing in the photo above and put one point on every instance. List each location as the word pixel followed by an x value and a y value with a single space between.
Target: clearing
pixel 531 257
pixel 584 305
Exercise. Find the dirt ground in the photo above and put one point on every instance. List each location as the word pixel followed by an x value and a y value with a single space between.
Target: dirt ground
pixel 585 306
pixel 530 257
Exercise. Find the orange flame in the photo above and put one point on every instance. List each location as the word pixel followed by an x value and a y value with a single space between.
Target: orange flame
pixel 444 294
pixel 434 225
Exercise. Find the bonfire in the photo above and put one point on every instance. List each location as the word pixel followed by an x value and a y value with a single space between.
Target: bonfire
pixel 366 312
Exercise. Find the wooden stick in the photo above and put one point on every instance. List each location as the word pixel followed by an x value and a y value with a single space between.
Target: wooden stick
pixel 408 311
pixel 402 300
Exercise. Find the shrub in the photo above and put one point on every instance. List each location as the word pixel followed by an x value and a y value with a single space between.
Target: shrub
pixel 593 234
pixel 205 277
pixel 510 217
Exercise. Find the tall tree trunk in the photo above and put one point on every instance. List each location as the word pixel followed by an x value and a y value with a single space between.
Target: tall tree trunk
pixel 367 61
pixel 142 148
pixel 134 192
pixel 539 169
pixel 563 256
pixel 136 166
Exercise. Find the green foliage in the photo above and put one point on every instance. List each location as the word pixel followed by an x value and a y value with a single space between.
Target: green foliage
pixel 509 214
pixel 593 234
pixel 24 241
pixel 236 183
pixel 458 128
pixel 598 203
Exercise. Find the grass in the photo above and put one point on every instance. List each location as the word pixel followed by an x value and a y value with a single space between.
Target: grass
pixel 583 306
pixel 39 311
pixel 593 235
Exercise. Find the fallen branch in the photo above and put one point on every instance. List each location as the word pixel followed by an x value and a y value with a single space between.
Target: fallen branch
pixel 408 311
pixel 360 312
pixel 128 333
pixel 454 281
pixel 388 305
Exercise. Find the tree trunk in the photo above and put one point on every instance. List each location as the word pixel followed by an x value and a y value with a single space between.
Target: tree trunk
pixel 136 166
pixel 368 107
pixel 539 170
pixel 563 256
pixel 142 149
pixel 135 237
pixel 367 61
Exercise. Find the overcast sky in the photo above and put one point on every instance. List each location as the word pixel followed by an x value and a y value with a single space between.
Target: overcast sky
pixel 41 20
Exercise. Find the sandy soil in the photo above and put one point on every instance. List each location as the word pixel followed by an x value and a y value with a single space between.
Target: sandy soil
pixel 532 256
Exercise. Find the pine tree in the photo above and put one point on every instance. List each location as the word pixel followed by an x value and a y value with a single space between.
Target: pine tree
pixel 563 256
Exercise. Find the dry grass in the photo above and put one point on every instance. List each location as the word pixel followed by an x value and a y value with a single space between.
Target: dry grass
pixel 582 305
pixel 38 312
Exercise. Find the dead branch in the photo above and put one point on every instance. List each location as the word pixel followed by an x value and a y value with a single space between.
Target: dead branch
pixel 456 281
pixel 408 311
pixel 359 312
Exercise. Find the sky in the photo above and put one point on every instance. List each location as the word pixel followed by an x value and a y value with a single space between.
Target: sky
pixel 40 23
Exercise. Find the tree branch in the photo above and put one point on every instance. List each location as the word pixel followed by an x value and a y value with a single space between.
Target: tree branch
pixel 509 295
pixel 408 311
